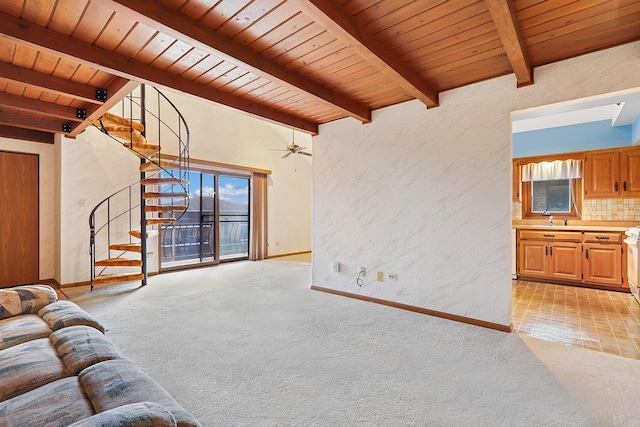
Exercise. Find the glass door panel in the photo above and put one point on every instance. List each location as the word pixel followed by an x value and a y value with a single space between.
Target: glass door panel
pixel 234 217
pixel 191 239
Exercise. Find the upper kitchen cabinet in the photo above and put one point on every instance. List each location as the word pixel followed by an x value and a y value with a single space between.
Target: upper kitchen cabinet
pixel 612 173
pixel 601 174
pixel 515 180
pixel 630 172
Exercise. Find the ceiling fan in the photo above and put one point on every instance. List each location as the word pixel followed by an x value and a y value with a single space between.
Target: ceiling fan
pixel 293 148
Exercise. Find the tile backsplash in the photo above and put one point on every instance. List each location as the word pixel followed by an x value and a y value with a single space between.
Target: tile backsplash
pixel 599 210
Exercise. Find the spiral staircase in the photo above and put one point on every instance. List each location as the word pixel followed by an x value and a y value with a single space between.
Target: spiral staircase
pixel 121 224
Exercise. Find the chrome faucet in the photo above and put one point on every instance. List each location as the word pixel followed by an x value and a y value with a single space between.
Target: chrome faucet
pixel 550 220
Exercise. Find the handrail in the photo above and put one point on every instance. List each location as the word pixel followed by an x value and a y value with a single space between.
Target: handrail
pixel 132 102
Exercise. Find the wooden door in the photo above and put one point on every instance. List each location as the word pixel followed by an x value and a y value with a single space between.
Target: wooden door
pixel 532 258
pixel 601 175
pixel 18 219
pixel 564 261
pixel 603 264
pixel 630 173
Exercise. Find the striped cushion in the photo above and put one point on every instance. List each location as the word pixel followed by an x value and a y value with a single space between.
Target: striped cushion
pixel 56 404
pixel 119 382
pixel 26 299
pixel 16 330
pixel 82 346
pixel 144 414
pixel 27 366
pixel 65 313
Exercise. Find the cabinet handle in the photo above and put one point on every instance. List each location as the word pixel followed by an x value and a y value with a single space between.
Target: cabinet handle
pixel 624 186
pixel 587 253
pixel 549 235
pixel 550 250
pixel 546 250
pixel 615 186
pixel 602 238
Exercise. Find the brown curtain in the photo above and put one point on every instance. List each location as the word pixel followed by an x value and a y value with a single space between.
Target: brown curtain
pixel 258 239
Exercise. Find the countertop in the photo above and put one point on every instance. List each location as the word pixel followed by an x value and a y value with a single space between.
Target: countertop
pixel 570 227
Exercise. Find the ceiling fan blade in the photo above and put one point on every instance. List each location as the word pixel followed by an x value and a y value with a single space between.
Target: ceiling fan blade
pixel 304 154
pixel 300 148
pixel 286 155
pixel 277 149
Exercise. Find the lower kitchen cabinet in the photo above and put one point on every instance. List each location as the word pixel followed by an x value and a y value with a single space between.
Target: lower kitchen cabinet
pixel 549 260
pixel 571 257
pixel 602 264
pixel 564 261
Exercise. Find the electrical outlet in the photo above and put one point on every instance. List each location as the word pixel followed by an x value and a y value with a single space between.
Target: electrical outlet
pixel 379 276
pixel 392 276
pixel 363 271
pixel 335 267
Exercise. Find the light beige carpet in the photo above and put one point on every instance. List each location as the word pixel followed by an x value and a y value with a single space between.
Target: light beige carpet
pixel 249 344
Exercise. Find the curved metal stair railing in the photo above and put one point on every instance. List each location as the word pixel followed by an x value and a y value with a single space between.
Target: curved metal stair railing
pixel 111 221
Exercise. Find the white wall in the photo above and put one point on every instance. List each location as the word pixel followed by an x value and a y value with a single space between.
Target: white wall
pixel 426 194
pixel 221 135
pixel 92 167
pixel 47 200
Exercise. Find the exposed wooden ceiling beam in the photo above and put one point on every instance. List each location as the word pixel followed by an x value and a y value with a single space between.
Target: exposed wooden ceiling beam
pixel 26 122
pixel 181 27
pixel 504 17
pixel 42 38
pixel 48 82
pixel 337 21
pixel 116 91
pixel 26 134
pixel 34 105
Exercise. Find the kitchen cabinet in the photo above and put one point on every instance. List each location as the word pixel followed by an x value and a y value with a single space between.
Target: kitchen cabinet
pixel 612 173
pixel 601 174
pixel 550 255
pixel 602 261
pixel 589 258
pixel 515 181
pixel 630 172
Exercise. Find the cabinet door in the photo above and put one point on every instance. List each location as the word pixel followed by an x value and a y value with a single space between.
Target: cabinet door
pixel 630 173
pixel 515 181
pixel 532 258
pixel 564 261
pixel 603 264
pixel 601 175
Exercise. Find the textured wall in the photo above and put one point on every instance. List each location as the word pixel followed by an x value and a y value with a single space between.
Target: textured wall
pixel 426 194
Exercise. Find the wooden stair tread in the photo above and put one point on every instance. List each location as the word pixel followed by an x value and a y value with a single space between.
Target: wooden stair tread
pixel 157 165
pixel 118 262
pixel 156 221
pixel 163 181
pixel 164 208
pixel 152 195
pixel 129 247
pixel 138 234
pixel 104 279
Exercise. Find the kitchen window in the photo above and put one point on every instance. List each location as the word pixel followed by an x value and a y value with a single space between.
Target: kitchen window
pixel 552 188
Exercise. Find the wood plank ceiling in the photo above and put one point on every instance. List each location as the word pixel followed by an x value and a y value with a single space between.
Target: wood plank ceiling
pixel 300 63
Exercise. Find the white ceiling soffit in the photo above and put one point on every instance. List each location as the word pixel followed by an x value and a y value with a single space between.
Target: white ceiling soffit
pixel 622 108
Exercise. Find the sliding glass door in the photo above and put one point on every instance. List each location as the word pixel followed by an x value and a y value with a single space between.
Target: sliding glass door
pixel 234 217
pixel 215 226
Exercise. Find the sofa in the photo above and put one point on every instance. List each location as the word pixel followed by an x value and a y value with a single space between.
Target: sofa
pixel 57 368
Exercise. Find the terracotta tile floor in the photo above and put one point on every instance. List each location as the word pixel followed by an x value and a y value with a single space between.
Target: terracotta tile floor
pixel 595 319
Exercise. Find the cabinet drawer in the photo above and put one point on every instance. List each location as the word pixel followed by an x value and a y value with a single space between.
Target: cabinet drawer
pixel 602 238
pixel 568 236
